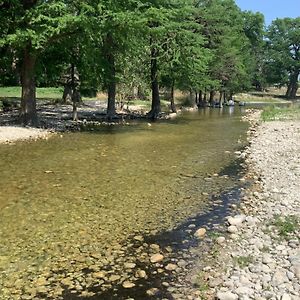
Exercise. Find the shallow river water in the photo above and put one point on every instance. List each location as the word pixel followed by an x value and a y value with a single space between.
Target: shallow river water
pixel 76 211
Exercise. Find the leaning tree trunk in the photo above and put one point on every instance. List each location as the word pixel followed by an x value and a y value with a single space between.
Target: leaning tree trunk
pixel 155 106
pixel 293 86
pixel 28 100
pixel 172 104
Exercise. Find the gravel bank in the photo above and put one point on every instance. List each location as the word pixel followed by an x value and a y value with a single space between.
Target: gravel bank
pixel 9 134
pixel 260 258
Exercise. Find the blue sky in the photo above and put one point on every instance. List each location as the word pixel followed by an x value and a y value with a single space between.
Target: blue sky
pixel 272 9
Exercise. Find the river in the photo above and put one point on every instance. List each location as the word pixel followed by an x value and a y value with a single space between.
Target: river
pixel 82 213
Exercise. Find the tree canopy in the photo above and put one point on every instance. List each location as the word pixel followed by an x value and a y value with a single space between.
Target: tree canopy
pixel 203 46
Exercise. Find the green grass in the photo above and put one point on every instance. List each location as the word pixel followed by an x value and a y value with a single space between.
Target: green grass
pixel 42 93
pixel 274 113
pixel 243 261
pixel 286 226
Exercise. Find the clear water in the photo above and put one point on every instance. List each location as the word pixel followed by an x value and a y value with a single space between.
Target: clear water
pixel 64 199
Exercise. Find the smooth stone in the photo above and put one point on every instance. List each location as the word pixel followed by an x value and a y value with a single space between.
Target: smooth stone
pixel 156 258
pixel 237 220
pixel 99 275
pixel 285 296
pixel 232 229
pixel 155 247
pixel 227 296
pixel 152 292
pixel 171 267
pixel 128 285
pixel 129 265
pixel 114 277
pixel 141 274
pixel 279 277
pixel 200 233
pixel 220 240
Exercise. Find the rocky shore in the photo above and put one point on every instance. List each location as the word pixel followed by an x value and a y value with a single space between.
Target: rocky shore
pixel 10 134
pixel 259 256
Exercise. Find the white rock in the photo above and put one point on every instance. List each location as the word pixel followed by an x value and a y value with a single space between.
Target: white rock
pixel 237 220
pixel 267 259
pixel 232 229
pixel 243 290
pixel 279 277
pixel 226 296
pixel 220 240
pixel 285 296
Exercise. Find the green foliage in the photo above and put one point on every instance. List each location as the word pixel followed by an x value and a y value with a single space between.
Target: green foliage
pixel 204 45
pixel 283 56
pixel 287 225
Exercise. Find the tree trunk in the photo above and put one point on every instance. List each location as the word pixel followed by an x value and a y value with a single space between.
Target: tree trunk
pixel 293 86
pixel 140 93
pixel 155 106
pixel 111 84
pixel 173 106
pixel 67 95
pixel 205 96
pixel 111 104
pixel 28 100
pixel 211 96
pixel 200 97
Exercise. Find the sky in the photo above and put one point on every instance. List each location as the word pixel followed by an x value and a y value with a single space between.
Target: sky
pixel 272 9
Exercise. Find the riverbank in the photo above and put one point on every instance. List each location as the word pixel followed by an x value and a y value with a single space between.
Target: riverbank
pixel 260 257
pixel 11 134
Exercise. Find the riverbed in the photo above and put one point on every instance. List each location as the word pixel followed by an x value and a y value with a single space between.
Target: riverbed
pixel 83 213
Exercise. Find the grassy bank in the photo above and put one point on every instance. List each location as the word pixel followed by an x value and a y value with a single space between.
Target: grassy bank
pixel 274 113
pixel 42 93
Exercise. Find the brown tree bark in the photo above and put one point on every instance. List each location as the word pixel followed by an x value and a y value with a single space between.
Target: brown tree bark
pixel 155 106
pixel 293 85
pixel 211 96
pixel 111 83
pixel 28 114
pixel 172 104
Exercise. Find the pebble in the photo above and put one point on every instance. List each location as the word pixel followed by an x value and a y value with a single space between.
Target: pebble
pixel 227 296
pixel 261 263
pixel 200 233
pixel 232 229
pixel 220 240
pixel 128 285
pixel 171 267
pixel 156 258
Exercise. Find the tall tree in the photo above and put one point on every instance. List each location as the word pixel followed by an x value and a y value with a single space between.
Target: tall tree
pixel 33 26
pixel 284 53
pixel 255 32
pixel 222 22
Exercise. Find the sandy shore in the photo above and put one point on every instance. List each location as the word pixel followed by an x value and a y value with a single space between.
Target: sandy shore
pixel 10 134
pixel 259 257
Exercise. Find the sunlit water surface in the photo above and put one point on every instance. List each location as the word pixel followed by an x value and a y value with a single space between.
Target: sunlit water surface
pixel 66 201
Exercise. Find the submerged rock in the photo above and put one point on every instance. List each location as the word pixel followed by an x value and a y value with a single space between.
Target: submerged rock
pixel 156 258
